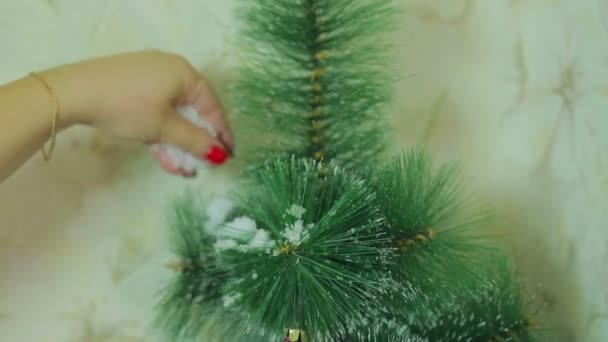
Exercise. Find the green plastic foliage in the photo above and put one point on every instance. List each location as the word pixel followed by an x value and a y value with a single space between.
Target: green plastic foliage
pixel 381 331
pixel 322 236
pixel 191 299
pixel 314 81
pixel 192 305
pixel 435 229
pixel 326 265
pixel 497 312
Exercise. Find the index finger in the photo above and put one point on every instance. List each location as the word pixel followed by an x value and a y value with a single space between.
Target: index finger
pixel 204 100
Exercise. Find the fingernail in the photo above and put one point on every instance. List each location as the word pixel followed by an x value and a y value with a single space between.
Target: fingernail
pixel 220 137
pixel 191 174
pixel 216 155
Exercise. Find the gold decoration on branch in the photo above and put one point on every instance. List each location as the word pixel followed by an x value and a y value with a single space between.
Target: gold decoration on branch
pixel 420 239
pixel 295 335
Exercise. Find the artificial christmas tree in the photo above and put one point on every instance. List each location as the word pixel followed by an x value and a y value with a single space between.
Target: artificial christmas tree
pixel 326 239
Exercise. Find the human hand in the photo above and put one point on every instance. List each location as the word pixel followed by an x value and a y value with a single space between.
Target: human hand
pixel 136 96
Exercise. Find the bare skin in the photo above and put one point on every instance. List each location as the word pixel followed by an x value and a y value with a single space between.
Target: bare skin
pixel 133 96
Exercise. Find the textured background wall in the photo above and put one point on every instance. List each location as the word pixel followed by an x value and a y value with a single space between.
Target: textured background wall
pixel 515 89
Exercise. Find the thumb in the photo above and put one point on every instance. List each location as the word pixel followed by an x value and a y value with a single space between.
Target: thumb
pixel 180 132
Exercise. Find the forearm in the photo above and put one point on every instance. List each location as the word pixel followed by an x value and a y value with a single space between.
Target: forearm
pixel 25 122
pixel 26 118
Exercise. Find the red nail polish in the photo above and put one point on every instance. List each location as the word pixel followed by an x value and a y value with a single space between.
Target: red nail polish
pixel 217 155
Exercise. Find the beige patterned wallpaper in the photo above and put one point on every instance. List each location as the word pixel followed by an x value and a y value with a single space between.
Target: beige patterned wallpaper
pixel 515 89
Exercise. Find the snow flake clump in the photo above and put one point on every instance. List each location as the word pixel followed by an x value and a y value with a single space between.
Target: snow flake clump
pixel 295 233
pixel 179 158
pixel 261 240
pixel 241 228
pixel 241 234
pixel 217 212
pixel 297 211
pixel 229 300
pixel 224 245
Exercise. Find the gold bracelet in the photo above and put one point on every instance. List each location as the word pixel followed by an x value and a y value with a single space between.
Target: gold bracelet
pixel 55 116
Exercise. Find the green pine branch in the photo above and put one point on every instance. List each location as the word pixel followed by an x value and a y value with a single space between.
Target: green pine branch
pixel 314 81
pixel 192 297
pixel 322 236
pixel 382 331
pixel 326 264
pixel 434 226
pixel 496 311
pixel 192 305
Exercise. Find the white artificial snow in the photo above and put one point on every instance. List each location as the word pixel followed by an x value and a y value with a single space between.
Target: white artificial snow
pixel 293 233
pixel 296 211
pixel 217 211
pixel 229 300
pixel 240 228
pixel 180 158
pixel 224 245
pixel 240 234
pixel 261 240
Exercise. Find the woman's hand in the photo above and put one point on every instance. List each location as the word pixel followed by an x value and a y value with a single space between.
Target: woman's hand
pixel 135 96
